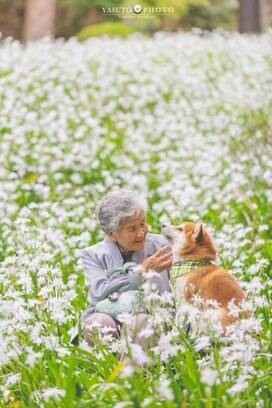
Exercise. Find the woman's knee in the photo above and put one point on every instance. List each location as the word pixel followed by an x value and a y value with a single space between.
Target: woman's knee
pixel 99 323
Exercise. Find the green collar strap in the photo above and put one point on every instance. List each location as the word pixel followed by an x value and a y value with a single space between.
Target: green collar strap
pixel 181 268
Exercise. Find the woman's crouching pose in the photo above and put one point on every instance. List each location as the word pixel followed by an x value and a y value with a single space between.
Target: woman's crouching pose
pixel 116 267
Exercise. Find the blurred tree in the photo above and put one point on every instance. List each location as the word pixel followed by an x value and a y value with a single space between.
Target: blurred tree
pixel 181 8
pixel 219 13
pixel 39 19
pixel 166 22
pixel 83 13
pixel 252 16
pixel 11 18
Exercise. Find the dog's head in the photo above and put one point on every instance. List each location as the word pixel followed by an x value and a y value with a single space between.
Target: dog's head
pixel 190 241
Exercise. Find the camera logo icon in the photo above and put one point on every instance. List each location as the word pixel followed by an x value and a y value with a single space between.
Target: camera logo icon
pixel 137 9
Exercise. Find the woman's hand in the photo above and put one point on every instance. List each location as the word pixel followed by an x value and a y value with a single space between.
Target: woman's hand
pixel 161 260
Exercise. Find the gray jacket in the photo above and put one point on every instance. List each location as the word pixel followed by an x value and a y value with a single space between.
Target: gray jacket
pixel 100 258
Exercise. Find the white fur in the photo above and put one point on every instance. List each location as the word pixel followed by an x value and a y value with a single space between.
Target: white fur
pixel 177 240
pixel 179 289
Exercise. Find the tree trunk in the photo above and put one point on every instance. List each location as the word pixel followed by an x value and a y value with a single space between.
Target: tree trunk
pixel 252 16
pixel 92 16
pixel 169 24
pixel 39 19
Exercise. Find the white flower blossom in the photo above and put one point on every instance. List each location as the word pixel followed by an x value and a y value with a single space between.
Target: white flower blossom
pixel 54 393
pixel 208 376
pixel 165 391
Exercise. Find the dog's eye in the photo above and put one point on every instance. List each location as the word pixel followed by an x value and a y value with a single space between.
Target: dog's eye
pixel 180 229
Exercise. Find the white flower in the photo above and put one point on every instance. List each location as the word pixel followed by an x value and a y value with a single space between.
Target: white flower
pixel 54 393
pixel 33 357
pixel 164 389
pixel 12 379
pixel 127 371
pixel 166 348
pixel 146 332
pixel 138 355
pixel 202 343
pixel 240 385
pixel 208 376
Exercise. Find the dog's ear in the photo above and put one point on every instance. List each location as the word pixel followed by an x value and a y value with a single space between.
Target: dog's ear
pixel 199 233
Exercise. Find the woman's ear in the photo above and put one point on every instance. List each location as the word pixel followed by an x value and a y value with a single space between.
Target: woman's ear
pixel 111 235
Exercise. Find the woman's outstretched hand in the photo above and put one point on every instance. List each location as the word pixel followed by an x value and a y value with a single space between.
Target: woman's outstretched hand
pixel 161 260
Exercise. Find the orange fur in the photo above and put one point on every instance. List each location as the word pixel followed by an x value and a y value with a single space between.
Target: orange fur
pixel 198 243
pixel 214 283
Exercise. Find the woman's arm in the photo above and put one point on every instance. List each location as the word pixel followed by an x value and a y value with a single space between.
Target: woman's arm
pixel 102 283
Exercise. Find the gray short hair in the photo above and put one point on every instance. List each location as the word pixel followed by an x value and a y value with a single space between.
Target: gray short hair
pixel 118 205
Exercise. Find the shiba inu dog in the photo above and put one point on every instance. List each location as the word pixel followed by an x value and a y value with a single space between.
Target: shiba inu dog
pixel 194 272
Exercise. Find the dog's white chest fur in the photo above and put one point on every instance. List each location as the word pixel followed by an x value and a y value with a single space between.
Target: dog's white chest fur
pixel 179 290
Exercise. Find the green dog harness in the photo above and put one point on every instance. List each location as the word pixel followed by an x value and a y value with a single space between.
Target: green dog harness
pixel 181 268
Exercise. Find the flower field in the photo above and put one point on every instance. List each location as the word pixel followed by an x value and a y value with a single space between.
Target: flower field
pixel 185 120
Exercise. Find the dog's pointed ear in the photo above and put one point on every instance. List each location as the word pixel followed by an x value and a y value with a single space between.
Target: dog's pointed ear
pixel 199 233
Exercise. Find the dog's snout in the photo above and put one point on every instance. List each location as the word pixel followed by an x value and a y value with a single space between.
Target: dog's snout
pixel 163 225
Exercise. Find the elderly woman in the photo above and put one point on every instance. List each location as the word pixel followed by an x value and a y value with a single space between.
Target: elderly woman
pixel 119 263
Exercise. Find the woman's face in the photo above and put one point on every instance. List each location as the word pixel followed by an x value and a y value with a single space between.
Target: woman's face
pixel 132 233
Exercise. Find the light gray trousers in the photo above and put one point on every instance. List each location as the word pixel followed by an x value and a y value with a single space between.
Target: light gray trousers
pixel 116 329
